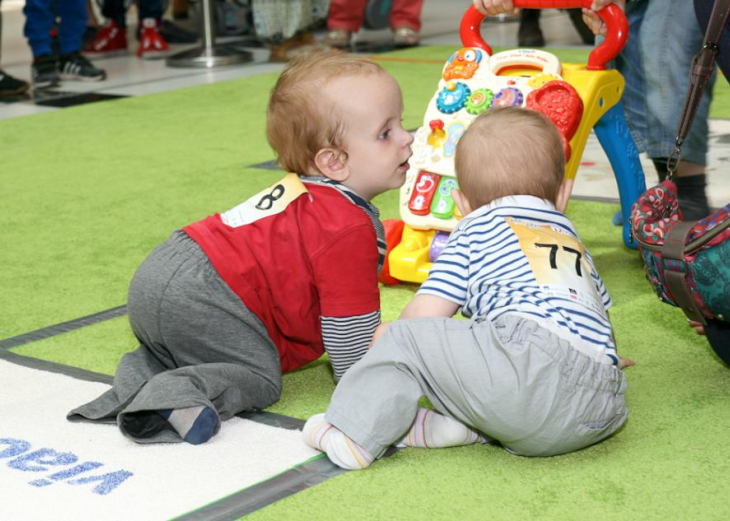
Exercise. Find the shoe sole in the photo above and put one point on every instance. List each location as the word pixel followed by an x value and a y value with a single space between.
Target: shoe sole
pixel 15 92
pixel 85 79
pixel 154 55
pixel 46 84
pixel 100 55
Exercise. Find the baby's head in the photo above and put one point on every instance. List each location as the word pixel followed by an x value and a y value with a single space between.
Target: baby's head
pixel 510 151
pixel 339 115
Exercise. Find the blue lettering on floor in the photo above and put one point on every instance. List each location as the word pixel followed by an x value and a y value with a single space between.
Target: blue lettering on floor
pixel 20 457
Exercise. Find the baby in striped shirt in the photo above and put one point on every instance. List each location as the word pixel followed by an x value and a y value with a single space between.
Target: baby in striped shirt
pixel 536 367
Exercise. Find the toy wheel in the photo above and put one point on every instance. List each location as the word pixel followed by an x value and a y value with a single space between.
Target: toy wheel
pixel 393 235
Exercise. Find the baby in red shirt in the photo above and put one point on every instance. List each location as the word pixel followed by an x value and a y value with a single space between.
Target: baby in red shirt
pixel 228 303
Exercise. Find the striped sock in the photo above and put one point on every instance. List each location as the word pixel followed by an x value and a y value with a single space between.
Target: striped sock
pixel 340 449
pixel 195 425
pixel 433 430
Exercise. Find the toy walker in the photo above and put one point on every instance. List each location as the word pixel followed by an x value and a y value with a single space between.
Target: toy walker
pixel 577 98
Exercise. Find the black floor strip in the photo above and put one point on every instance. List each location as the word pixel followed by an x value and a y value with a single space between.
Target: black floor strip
pixel 63 327
pixel 240 503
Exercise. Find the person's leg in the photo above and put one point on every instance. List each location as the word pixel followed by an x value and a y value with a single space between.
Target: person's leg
pixel 346 14
pixel 151 43
pixel 71 64
pixel 114 10
pixel 405 21
pixel 224 360
pixel 212 358
pixel 375 404
pixel 586 35
pixel 718 335
pixel 38 23
pixel 9 86
pixel 406 13
pixel 431 430
pixel 112 38
pixel 630 64
pixel 150 9
pixel 669 40
pixel 73 24
pixel 529 33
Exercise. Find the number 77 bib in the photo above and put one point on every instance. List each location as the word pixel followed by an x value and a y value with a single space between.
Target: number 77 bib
pixel 270 201
pixel 558 262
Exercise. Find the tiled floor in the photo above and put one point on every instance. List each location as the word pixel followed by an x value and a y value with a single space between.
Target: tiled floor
pixel 129 76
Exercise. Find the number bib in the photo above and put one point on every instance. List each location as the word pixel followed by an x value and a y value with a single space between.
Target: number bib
pixel 268 202
pixel 558 263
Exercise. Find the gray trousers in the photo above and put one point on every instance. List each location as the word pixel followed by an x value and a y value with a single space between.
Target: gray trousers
pixel 199 346
pixel 510 380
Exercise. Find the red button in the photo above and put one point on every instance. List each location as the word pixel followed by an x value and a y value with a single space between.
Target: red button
pixel 423 191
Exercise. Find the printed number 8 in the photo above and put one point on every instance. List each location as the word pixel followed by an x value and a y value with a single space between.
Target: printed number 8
pixel 267 201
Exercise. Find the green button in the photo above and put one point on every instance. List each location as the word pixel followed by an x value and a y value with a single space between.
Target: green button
pixel 442 205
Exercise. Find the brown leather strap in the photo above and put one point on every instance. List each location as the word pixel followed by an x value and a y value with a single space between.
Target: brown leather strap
pixel 702 66
pixel 673 249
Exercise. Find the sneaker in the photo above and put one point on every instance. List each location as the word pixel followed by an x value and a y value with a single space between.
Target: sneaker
pixel 108 41
pixel 73 66
pixel 300 43
pixel 44 71
pixel 151 43
pixel 405 37
pixel 175 34
pixel 338 38
pixel 10 86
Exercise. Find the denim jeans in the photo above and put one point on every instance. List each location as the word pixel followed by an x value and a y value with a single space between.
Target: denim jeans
pixel 663 38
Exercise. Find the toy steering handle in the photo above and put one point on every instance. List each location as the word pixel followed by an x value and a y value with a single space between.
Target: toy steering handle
pixel 612 16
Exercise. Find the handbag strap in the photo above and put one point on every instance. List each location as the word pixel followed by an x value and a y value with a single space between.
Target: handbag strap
pixel 702 66
pixel 673 250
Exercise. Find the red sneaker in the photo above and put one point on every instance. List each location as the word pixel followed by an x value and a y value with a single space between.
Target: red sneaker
pixel 151 43
pixel 110 40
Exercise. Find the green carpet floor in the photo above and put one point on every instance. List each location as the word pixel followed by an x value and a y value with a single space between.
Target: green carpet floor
pixel 87 192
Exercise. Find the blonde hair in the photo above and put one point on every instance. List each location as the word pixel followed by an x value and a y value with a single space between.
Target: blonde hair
pixel 510 151
pixel 300 119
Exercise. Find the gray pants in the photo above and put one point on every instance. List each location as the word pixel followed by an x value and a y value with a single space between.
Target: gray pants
pixel 511 380
pixel 200 346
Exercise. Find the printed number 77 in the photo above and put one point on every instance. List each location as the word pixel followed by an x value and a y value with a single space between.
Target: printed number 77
pixel 554 255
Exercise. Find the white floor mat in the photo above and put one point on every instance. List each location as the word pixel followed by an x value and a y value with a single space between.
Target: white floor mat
pixel 54 469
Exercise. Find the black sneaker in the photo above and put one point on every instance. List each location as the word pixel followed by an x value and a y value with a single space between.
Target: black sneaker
pixel 73 66
pixel 44 71
pixel 10 86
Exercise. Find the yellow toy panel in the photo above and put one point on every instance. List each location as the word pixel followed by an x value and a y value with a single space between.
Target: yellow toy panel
pixel 472 81
pixel 577 99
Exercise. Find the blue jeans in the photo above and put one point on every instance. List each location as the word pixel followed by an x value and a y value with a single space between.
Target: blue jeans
pixel 663 38
pixel 39 18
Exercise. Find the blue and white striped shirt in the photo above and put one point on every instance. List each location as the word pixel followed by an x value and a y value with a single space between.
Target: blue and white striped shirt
pixel 520 255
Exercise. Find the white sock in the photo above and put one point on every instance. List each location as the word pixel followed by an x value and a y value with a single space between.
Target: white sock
pixel 340 449
pixel 433 430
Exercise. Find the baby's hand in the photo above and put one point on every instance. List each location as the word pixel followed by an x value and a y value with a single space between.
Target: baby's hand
pixel 495 7
pixel 379 331
pixel 699 328
pixel 591 18
pixel 625 362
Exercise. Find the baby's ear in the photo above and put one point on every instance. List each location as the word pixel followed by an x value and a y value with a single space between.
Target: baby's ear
pixel 332 163
pixel 461 202
pixel 561 202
